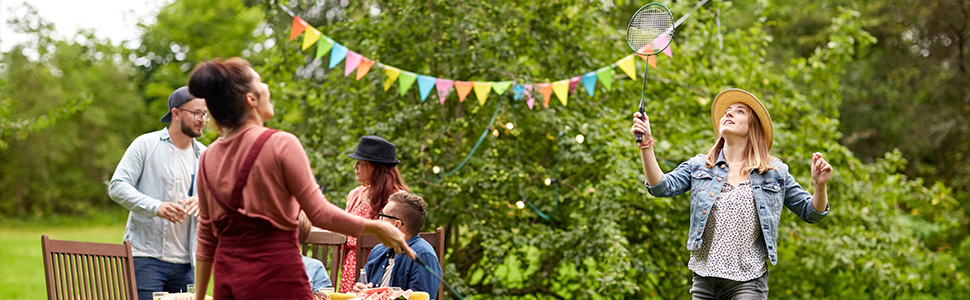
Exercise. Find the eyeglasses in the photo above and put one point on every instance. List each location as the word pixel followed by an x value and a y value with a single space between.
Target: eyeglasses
pixel 383 216
pixel 199 115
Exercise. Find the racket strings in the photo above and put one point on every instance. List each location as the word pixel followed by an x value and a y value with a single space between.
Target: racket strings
pixel 646 26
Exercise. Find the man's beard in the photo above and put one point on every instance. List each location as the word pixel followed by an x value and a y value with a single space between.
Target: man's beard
pixel 187 130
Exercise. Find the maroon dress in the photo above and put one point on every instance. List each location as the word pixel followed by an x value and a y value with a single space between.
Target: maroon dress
pixel 253 259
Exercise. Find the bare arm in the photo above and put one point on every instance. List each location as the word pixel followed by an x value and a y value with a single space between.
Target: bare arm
pixel 651 169
pixel 203 271
pixel 821 171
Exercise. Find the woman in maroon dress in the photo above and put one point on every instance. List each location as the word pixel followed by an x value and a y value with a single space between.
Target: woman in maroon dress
pixel 254 182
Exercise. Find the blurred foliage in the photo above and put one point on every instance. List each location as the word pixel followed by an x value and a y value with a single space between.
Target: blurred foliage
pixel 890 234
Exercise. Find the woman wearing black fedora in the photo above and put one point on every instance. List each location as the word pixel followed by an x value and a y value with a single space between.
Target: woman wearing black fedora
pixel 737 191
pixel 376 170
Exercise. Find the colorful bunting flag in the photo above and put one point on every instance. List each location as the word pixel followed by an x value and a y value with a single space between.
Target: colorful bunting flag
pixel 652 61
pixel 444 87
pixel 353 60
pixel 501 86
pixel 628 66
pixel 310 38
pixel 561 88
pixel 589 81
pixel 517 91
pixel 481 91
pixel 406 80
pixel 662 40
pixel 324 44
pixel 573 82
pixel 392 74
pixel 528 95
pixel 364 67
pixel 298 26
pixel 546 90
pixel 463 88
pixel 425 84
pixel 605 75
pixel 338 54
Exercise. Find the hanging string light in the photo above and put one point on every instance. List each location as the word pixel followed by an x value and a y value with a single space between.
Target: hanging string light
pixel 580 138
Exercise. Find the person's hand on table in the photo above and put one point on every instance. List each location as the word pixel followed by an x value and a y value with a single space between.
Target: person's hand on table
pixel 359 287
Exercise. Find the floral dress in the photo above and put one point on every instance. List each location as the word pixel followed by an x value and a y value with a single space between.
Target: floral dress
pixel 361 208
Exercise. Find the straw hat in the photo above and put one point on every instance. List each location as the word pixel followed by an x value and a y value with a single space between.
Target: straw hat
pixel 731 96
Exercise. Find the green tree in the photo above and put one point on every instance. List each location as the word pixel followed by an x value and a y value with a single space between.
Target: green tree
pixel 85 85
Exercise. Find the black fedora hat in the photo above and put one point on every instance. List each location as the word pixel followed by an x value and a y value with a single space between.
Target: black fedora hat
pixel 375 149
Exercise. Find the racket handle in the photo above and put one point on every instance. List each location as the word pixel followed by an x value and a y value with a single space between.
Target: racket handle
pixel 642 117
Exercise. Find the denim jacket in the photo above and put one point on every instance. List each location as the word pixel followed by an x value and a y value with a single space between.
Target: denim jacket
pixel 771 189
pixel 144 178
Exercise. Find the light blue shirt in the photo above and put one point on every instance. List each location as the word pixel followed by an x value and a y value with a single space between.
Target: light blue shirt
pixel 771 189
pixel 144 178
pixel 316 273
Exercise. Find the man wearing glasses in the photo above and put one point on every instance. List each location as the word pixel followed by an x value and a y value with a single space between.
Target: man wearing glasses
pixel 387 269
pixel 155 181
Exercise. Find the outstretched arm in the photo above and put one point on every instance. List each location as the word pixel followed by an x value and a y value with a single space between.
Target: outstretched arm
pixel 651 169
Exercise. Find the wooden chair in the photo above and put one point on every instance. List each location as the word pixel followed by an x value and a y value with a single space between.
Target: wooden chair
pixel 367 242
pixel 82 270
pixel 322 242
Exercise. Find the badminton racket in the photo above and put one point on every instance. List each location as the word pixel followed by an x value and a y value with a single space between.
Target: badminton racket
pixel 649 33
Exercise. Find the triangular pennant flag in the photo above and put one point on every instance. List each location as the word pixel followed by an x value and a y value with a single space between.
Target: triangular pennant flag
pixel 311 37
pixel 425 84
pixel 501 86
pixel 561 88
pixel 444 88
pixel 645 49
pixel 298 26
pixel 517 91
pixel 324 44
pixel 546 90
pixel 528 96
pixel 589 81
pixel 669 50
pixel 364 67
pixel 353 60
pixel 339 52
pixel 573 82
pixel 628 66
pixel 605 75
pixel 661 41
pixel 463 88
pixel 481 90
pixel 652 61
pixel 407 79
pixel 392 74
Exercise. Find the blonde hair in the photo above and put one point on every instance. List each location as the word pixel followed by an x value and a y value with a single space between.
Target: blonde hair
pixel 303 224
pixel 756 150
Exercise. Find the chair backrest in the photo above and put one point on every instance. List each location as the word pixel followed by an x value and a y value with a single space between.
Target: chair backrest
pixel 83 270
pixel 367 242
pixel 322 242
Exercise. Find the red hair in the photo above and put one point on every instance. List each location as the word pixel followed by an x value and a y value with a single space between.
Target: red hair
pixel 385 181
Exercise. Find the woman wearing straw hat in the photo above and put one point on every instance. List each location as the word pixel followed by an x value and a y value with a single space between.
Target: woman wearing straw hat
pixel 737 191
pixel 376 170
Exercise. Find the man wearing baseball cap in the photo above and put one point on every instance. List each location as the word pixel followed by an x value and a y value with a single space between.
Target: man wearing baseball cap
pixel 155 181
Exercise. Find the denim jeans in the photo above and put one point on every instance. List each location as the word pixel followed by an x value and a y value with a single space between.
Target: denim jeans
pixel 705 288
pixel 153 275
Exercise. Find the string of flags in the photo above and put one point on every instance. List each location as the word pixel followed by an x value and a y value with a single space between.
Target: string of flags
pixel 354 61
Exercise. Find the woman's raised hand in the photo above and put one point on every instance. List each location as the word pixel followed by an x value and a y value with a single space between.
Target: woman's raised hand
pixel 821 170
pixel 641 126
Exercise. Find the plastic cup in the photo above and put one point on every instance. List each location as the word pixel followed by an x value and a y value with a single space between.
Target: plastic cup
pixel 158 295
pixel 190 288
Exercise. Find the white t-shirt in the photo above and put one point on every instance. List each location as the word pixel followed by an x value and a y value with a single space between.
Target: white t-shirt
pixel 176 243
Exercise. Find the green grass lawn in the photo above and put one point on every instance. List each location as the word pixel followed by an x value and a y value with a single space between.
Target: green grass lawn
pixel 22 262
